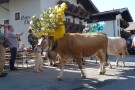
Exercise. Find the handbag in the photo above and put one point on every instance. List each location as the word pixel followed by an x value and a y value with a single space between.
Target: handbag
pixel 6 43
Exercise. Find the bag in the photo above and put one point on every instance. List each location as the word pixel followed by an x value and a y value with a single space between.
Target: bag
pixel 6 43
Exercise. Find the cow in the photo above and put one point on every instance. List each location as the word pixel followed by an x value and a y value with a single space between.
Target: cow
pixel 117 47
pixel 76 46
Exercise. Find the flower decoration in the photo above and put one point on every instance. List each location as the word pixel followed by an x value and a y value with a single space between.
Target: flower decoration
pixel 50 22
pixel 98 27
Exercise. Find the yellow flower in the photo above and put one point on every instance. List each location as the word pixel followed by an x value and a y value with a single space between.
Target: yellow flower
pixel 51 22
pixel 56 7
pixel 60 32
pixel 33 16
pixel 63 6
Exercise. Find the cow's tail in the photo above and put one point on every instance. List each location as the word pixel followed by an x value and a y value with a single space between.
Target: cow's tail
pixel 106 56
pixel 125 47
pixel 125 50
pixel 106 59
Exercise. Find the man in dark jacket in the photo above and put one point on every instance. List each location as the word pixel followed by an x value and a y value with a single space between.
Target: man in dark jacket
pixel 32 39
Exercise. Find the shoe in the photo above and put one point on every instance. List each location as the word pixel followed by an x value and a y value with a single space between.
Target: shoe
pixel 13 69
pixel 3 74
pixel 41 70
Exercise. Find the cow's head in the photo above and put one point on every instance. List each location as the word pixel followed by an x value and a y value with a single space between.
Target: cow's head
pixel 47 43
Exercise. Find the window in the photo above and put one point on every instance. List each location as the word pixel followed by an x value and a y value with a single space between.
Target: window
pixel 6 21
pixel 67 20
pixel 73 20
pixel 17 16
pixel 80 22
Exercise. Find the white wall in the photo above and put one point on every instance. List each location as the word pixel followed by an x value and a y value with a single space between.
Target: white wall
pixel 4 14
pixel 110 28
pixel 27 8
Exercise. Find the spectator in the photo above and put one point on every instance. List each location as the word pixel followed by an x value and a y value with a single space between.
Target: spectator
pixel 22 50
pixel 32 39
pixel 2 50
pixel 133 42
pixel 87 29
pixel 22 47
pixel 13 38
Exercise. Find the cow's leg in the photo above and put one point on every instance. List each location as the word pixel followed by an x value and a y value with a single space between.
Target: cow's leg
pixel 62 66
pixel 102 56
pixel 79 62
pixel 99 57
pixel 51 62
pixel 117 60
pixel 124 52
pixel 104 60
pixel 123 56
pixel 110 66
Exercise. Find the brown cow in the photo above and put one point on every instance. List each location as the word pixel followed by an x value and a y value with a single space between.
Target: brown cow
pixel 77 46
pixel 117 46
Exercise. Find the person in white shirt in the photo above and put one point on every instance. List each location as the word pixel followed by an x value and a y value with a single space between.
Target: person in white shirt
pixel 13 38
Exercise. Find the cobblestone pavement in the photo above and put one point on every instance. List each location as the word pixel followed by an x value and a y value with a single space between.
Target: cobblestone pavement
pixel 117 78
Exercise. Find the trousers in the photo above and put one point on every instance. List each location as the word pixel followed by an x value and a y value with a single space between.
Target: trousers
pixel 13 57
pixel 38 61
pixel 2 58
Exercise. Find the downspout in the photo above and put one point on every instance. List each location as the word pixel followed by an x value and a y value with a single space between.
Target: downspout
pixel 118 17
pixel 114 27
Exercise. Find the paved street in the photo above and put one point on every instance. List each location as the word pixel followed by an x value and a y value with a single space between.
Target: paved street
pixel 118 78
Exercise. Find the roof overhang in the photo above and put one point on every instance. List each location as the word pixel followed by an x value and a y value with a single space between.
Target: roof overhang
pixel 88 5
pixel 4 1
pixel 111 14
pixel 131 27
pixel 123 24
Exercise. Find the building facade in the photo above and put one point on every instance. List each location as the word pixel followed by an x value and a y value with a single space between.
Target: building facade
pixel 116 21
pixel 19 12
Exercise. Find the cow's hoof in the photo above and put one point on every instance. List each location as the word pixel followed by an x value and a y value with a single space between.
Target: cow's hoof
pixel 59 79
pixel 101 73
pixel 106 64
pixel 83 77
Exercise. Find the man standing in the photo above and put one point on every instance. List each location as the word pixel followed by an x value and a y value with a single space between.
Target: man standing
pixel 2 50
pixel 13 38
